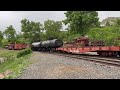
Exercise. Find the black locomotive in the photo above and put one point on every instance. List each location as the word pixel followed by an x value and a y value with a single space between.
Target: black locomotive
pixel 46 45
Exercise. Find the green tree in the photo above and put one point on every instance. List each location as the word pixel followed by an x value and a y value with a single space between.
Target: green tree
pixel 52 28
pixel 20 38
pixel 80 21
pixel 1 36
pixel 31 30
pixel 106 34
pixel 36 31
pixel 107 23
pixel 10 34
pixel 117 22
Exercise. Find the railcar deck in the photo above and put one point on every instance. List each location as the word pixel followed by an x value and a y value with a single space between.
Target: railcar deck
pixel 101 50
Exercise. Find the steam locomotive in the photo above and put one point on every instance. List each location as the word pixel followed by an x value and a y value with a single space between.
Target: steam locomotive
pixel 46 45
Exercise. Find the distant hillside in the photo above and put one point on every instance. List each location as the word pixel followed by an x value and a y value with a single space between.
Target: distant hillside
pixel 111 20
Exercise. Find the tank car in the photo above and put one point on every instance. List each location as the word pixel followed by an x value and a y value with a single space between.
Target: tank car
pixel 35 46
pixel 55 43
pixel 47 45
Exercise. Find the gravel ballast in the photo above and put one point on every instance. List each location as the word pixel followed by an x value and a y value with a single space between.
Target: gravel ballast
pixel 49 66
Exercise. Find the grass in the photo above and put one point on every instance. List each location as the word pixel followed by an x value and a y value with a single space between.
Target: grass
pixel 14 64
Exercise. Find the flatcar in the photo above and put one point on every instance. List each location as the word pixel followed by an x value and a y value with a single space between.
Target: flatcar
pixel 83 45
pixel 14 46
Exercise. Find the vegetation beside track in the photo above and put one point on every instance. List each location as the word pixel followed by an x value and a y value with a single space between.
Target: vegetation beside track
pixel 13 64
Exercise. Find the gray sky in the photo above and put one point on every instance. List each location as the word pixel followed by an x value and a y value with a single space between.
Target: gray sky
pixel 14 17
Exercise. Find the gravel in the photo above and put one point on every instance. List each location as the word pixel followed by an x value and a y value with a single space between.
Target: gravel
pixel 49 66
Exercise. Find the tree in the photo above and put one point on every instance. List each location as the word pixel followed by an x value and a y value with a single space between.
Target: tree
pixel 1 36
pixel 117 22
pixel 107 23
pixel 52 29
pixel 107 34
pixel 10 34
pixel 31 30
pixel 20 38
pixel 80 21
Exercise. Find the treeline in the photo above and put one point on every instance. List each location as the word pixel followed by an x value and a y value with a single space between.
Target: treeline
pixel 32 32
pixel 80 23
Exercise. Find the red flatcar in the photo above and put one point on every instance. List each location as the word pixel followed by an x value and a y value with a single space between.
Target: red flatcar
pixel 81 45
pixel 13 46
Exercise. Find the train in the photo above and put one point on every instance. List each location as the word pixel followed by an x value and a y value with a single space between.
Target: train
pixel 79 45
pixel 48 45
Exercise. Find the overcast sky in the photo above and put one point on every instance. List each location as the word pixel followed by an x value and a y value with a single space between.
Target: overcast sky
pixel 14 17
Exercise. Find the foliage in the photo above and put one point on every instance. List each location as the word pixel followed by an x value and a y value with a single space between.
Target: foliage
pixel 16 65
pixel 31 30
pixel 62 35
pixel 1 38
pixel 117 22
pixel 81 21
pixel 4 42
pixel 52 28
pixel 43 36
pixel 24 52
pixel 10 33
pixel 107 23
pixel 20 38
pixel 70 37
pixel 107 34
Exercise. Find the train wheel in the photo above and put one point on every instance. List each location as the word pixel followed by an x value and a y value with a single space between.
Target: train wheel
pixel 115 54
pixel 119 54
pixel 99 53
pixel 110 54
pixel 105 54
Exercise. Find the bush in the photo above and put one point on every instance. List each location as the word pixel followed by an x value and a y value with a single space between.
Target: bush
pixel 4 43
pixel 24 52
pixel 71 37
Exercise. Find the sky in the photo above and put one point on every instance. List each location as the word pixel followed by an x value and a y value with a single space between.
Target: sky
pixel 14 17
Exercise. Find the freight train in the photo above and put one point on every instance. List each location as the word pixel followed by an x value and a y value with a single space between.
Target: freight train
pixel 37 46
pixel 79 45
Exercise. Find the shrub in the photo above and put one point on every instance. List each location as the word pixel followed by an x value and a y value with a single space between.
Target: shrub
pixel 4 43
pixel 24 52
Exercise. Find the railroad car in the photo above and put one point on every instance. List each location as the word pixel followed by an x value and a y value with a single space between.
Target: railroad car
pixel 47 45
pixel 83 44
pixel 14 46
pixel 35 46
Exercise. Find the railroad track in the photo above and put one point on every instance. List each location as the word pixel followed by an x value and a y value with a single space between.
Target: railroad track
pixel 113 61
pixel 108 61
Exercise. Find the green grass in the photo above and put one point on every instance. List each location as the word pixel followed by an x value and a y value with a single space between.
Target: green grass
pixel 16 65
